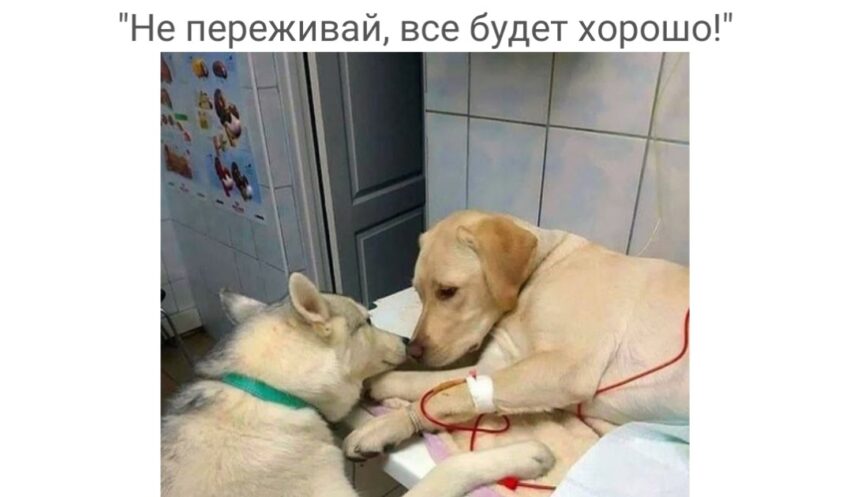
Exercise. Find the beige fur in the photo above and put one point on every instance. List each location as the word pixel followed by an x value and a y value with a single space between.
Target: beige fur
pixel 582 317
pixel 218 441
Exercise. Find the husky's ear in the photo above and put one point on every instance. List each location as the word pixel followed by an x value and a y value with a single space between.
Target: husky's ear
pixel 237 307
pixel 307 300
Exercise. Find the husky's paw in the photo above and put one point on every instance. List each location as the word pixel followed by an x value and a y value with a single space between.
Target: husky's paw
pixel 530 459
pixel 390 385
pixel 522 460
pixel 378 435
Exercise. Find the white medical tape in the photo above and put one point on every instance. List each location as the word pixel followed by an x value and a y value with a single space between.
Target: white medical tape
pixel 481 390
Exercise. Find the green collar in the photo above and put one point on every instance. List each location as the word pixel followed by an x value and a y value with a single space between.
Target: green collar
pixel 264 391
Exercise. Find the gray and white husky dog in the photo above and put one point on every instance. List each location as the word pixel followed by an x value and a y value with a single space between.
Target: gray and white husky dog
pixel 256 424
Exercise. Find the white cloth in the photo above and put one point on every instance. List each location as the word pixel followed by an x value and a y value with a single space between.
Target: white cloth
pixel 397 313
pixel 634 460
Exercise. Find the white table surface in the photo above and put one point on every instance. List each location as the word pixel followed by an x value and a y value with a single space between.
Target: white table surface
pixel 406 464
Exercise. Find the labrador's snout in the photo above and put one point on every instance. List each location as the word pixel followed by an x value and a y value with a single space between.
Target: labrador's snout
pixel 416 349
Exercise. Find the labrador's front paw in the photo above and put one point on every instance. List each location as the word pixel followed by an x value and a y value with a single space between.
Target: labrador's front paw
pixel 378 435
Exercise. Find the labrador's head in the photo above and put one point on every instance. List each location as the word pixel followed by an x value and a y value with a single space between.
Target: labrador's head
pixel 470 269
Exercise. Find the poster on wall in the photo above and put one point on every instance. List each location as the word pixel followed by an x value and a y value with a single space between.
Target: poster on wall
pixel 222 144
pixel 182 168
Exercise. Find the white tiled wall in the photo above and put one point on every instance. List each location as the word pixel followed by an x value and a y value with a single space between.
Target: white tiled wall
pixel 178 302
pixel 510 86
pixel 591 184
pixel 605 91
pixel 505 166
pixel 566 141
pixel 219 249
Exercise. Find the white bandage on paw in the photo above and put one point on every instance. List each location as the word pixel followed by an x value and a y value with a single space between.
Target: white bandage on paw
pixel 414 419
pixel 481 390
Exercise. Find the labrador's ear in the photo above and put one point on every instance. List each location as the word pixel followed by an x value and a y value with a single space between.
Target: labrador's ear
pixel 505 251
pixel 238 307
pixel 307 300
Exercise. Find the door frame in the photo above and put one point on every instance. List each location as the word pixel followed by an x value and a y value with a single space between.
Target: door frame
pixel 295 93
pixel 359 213
pixel 322 169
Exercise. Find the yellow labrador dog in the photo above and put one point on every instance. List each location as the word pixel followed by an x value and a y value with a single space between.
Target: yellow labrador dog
pixel 561 317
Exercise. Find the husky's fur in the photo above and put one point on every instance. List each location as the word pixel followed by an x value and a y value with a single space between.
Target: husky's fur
pixel 218 441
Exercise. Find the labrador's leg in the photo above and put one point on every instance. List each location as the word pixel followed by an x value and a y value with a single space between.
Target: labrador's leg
pixel 410 385
pixel 462 473
pixel 539 383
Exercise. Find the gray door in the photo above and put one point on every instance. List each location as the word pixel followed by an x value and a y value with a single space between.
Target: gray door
pixel 369 128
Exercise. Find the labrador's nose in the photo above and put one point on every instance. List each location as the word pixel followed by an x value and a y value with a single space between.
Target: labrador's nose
pixel 405 340
pixel 416 350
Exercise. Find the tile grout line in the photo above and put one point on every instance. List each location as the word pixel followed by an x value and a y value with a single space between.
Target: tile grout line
pixel 235 249
pixel 468 120
pixel 546 141
pixel 289 266
pixel 288 129
pixel 425 140
pixel 645 153
pixel 264 145
pixel 561 126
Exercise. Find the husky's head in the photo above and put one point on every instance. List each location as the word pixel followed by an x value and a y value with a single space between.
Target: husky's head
pixel 320 347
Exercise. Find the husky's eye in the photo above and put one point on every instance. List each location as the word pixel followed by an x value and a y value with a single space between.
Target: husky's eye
pixel 446 292
pixel 363 324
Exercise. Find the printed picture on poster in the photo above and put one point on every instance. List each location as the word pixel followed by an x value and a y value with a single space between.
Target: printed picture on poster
pixel 235 176
pixel 182 169
pixel 218 104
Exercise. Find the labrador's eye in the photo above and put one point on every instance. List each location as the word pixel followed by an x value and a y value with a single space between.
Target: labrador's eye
pixel 446 292
pixel 369 321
